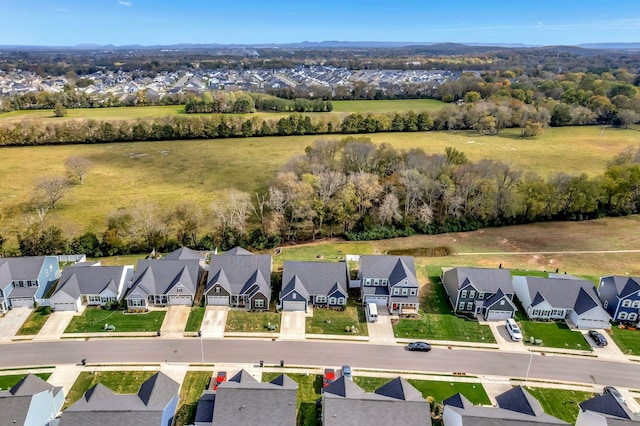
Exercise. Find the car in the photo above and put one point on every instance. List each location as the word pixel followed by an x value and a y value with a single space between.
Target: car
pixel 598 338
pixel 419 346
pixel 346 372
pixel 329 377
pixel 616 394
pixel 513 329
pixel 220 377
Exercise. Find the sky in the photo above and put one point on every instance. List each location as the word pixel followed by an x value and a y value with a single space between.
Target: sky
pixel 166 22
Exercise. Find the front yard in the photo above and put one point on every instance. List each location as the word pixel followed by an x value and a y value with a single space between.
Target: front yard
pixel 327 321
pixel 627 340
pixel 437 322
pixel 309 386
pixel 560 403
pixel 35 321
pixel 251 322
pixel 192 386
pixel 194 323
pixel 553 334
pixel 94 319
pixel 118 381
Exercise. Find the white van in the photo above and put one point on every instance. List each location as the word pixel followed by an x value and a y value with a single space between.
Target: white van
pixel 372 312
pixel 513 329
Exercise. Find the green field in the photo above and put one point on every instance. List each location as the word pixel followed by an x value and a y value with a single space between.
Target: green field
pixel 127 382
pixel 9 381
pixel 93 321
pixel 384 106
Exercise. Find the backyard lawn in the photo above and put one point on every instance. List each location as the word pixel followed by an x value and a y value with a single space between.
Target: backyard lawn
pixel 436 322
pixel 560 403
pixel 327 321
pixel 94 319
pixel 118 381
pixel 7 382
pixel 251 322
pixel 195 319
pixel 627 340
pixel 553 334
pixel 35 321
pixel 309 386
pixel 192 386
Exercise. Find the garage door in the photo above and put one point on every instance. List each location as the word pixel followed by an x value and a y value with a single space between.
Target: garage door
pixel 294 306
pixel 180 300
pixel 588 323
pixel 63 306
pixel 22 302
pixel 498 315
pixel 377 300
pixel 218 300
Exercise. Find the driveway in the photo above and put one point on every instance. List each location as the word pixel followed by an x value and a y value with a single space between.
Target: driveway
pixel 214 321
pixel 55 325
pixel 611 352
pixel 381 331
pixel 502 337
pixel 174 322
pixel 12 321
pixel 292 326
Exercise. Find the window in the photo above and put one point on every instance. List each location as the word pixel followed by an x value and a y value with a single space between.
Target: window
pixel 332 300
pixel 135 302
pixel 536 312
pixel 179 290
pixel 396 291
pixel 413 291
pixel 294 296
pixel 94 299
pixel 376 282
pixel 502 302
pixel 463 294
pixel 217 290
pixel 636 304
pixel 367 281
pixel 480 295
pixel 341 301
pixel 626 303
pixel 605 304
pixel 469 306
pixel 258 303
pixel 461 306
pixel 632 317
pixel 405 291
pixel 622 316
pixel 321 299
pixel 472 294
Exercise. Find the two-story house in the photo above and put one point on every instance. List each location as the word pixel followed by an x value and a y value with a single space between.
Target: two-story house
pixel 480 291
pixel 620 297
pixel 25 280
pixel 390 281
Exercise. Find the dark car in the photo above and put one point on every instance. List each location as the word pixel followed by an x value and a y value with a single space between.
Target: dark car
pixel 220 377
pixel 419 346
pixel 598 338
pixel 616 394
pixel 329 377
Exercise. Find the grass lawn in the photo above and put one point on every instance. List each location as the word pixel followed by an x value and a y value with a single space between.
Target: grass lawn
pixel 7 382
pixel 308 393
pixel 382 106
pixel 438 390
pixel 195 319
pixel 327 321
pixel 118 381
pixel 35 321
pixel 438 323
pixel 192 386
pixel 251 322
pixel 94 319
pixel 560 403
pixel 553 334
pixel 627 340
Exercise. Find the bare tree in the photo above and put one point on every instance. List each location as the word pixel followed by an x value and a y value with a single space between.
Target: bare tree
pixel 78 167
pixel 52 189
pixel 259 210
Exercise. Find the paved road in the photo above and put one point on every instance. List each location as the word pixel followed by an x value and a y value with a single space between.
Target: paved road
pixel 442 360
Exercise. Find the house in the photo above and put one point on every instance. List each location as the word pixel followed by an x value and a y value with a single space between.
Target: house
pixel 25 280
pixel 242 400
pixel 154 404
pixel 90 285
pixel 620 297
pixel 390 281
pixel 313 283
pixel 397 402
pixel 241 279
pixel 185 253
pixel 515 407
pixel 603 410
pixel 31 402
pixel 561 299
pixel 163 282
pixel 480 291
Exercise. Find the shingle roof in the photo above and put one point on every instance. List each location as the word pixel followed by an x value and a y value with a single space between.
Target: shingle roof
pixel 519 400
pixel 399 388
pixel 488 280
pixel 624 285
pixel 607 405
pixel 20 268
pixel 237 251
pixel 78 280
pixel 160 276
pixel 315 277
pixel 237 273
pixel 16 402
pixel 30 385
pixel 184 253
pixel 564 294
pixel 458 400
pixel 396 268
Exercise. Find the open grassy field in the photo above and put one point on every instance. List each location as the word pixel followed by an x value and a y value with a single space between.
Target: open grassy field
pixel 9 381
pixel 93 321
pixel 126 382
pixel 383 106
pixel 560 403
pixel 192 386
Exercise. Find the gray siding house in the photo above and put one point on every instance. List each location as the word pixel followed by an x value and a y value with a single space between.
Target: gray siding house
pixel 31 402
pixel 313 283
pixel 25 280
pixel 480 291
pixel 390 281
pixel 620 297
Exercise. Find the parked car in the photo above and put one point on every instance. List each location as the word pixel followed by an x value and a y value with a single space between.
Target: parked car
pixel 598 338
pixel 616 394
pixel 346 372
pixel 513 329
pixel 220 377
pixel 329 377
pixel 419 346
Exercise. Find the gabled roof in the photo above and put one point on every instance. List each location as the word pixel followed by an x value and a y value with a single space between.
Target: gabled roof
pixel 624 285
pixel 157 390
pixel 315 277
pixel 399 388
pixel 184 253
pixel 295 284
pixel 519 400
pixel 20 268
pixel 238 273
pixel 487 280
pixel 458 400
pixel 160 276
pixel 496 297
pixel 30 385
pixel 608 406
pixel 237 251
pixel 243 376
pixel 395 268
pixel 344 387
pixel 563 293
pixel 584 302
pixel 78 280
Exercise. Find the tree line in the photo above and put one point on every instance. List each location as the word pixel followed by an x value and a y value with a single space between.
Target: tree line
pixel 244 103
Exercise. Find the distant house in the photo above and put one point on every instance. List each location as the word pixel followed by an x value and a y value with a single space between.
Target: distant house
pixel 154 404
pixel 163 282
pixel 31 402
pixel 241 279
pixel 397 402
pixel 620 296
pixel 185 253
pixel 480 291
pixel 605 410
pixel 313 283
pixel 242 400
pixel 25 280
pixel 561 299
pixel 516 407
pixel 390 281
pixel 90 285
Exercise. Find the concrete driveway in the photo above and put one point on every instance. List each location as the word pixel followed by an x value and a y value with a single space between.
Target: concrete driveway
pixel 12 321
pixel 500 333
pixel 214 321
pixel 174 322
pixel 381 331
pixel 55 325
pixel 611 352
pixel 292 325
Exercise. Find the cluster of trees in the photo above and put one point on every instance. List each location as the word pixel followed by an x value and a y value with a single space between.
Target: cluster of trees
pixel 243 103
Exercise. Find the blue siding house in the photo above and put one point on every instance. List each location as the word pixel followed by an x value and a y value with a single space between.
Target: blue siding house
pixel 25 280
pixel 31 402
pixel 620 297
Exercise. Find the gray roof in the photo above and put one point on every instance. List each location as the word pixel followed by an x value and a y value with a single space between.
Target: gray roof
pixel 238 273
pixel 20 268
pixel 315 277
pixel 23 292
pixel 519 400
pixel 30 385
pixel 247 402
pixel 184 253
pixel 395 268
pixel 624 285
pixel 160 276
pixel 608 406
pixel 78 280
pixel 564 294
pixel 15 402
pixel 487 280
pixel 237 251
pixel 204 410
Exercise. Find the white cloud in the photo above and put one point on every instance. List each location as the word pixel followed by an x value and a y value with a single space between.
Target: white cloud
pixel 125 3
